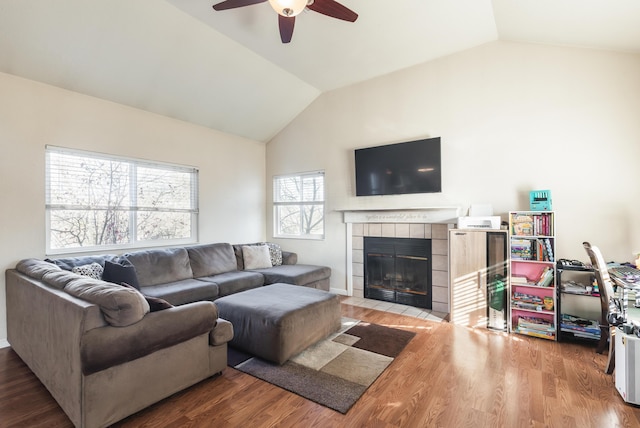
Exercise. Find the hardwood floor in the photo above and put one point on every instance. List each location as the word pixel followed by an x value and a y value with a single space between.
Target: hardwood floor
pixel 448 376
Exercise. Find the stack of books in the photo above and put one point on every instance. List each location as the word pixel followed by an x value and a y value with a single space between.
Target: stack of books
pixel 532 224
pixel 538 249
pixel 572 287
pixel 544 280
pixel 520 280
pixel 522 225
pixel 527 301
pixel 521 249
pixel 534 326
pixel 531 302
pixel 580 327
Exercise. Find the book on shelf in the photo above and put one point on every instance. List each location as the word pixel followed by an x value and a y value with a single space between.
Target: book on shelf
pixel 533 323
pixel 537 333
pixel 521 249
pixel 527 224
pixel 529 298
pixel 537 249
pixel 546 277
pixel 530 306
pixel 550 257
pixel 531 302
pixel 572 287
pixel 579 326
pixel 519 280
pixel 583 335
pixel 522 224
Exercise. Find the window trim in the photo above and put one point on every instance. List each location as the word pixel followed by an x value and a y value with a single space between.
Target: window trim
pixel 300 204
pixel 134 241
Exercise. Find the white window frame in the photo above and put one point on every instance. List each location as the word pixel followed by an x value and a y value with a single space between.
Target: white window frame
pixel 132 207
pixel 300 203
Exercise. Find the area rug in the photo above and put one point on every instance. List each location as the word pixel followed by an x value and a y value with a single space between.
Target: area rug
pixel 336 371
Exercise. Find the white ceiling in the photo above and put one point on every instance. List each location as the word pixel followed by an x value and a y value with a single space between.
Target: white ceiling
pixel 229 71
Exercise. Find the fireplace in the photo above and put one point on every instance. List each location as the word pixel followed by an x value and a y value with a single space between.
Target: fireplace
pixel 398 270
pixel 431 223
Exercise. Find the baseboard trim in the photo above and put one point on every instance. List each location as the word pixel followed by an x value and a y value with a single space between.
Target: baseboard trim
pixel 4 343
pixel 339 291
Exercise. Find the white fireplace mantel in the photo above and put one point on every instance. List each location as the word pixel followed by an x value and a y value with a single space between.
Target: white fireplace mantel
pixel 447 215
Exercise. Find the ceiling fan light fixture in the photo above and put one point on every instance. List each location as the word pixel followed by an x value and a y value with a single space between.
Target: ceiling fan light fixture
pixel 288 8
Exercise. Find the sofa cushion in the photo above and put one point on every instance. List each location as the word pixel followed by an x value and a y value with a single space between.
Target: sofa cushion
pixel 295 274
pixel 121 306
pixel 234 282
pixel 36 268
pixel 161 266
pixel 69 263
pixel 256 257
pixel 181 292
pixel 120 272
pixel 212 259
pixel 92 270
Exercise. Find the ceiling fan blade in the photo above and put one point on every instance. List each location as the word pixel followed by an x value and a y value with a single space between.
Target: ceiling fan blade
pixel 286 27
pixel 333 9
pixel 232 4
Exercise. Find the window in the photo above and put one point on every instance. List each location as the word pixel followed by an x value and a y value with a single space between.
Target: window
pixel 298 202
pixel 96 201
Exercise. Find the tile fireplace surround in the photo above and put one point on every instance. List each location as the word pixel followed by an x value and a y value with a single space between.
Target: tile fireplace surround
pixel 423 223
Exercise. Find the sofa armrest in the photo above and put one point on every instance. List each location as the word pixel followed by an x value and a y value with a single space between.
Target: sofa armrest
pixel 289 258
pixel 221 333
pixel 109 346
pixel 45 327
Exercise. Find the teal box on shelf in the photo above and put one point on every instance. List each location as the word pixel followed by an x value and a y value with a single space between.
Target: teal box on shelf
pixel 540 200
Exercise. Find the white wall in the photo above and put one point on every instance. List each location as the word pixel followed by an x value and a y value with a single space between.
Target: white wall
pixel 513 117
pixel 32 115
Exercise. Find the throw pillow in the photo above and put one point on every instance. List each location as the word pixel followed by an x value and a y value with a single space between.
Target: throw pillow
pixel 155 303
pixel 275 252
pixel 119 273
pixel 256 256
pixel 93 270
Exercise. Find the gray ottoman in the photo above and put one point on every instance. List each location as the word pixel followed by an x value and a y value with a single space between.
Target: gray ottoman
pixel 278 321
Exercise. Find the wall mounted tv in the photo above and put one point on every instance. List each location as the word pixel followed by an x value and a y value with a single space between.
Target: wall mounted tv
pixel 395 169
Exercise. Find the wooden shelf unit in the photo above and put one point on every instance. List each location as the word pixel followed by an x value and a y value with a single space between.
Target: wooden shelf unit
pixel 533 298
pixel 478 267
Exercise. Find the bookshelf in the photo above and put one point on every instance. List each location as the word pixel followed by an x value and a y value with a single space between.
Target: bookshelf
pixel 579 310
pixel 533 308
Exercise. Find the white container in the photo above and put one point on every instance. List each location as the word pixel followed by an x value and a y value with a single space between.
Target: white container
pixel 474 222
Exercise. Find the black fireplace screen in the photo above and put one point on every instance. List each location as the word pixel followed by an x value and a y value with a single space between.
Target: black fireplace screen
pixel 398 270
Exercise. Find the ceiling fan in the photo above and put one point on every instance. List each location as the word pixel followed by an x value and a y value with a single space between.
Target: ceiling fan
pixel 288 9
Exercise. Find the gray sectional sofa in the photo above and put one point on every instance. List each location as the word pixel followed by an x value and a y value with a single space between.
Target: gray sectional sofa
pixel 105 350
pixel 207 272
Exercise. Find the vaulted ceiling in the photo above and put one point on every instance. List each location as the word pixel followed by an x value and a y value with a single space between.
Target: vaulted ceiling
pixel 228 69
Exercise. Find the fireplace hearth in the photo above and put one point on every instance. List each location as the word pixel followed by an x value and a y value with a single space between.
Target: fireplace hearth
pixel 398 270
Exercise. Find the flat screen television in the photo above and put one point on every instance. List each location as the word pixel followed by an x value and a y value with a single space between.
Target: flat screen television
pixel 401 168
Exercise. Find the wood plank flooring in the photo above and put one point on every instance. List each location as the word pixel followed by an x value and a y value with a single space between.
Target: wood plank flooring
pixel 448 376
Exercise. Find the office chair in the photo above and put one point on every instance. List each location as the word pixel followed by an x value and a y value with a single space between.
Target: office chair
pixel 610 312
